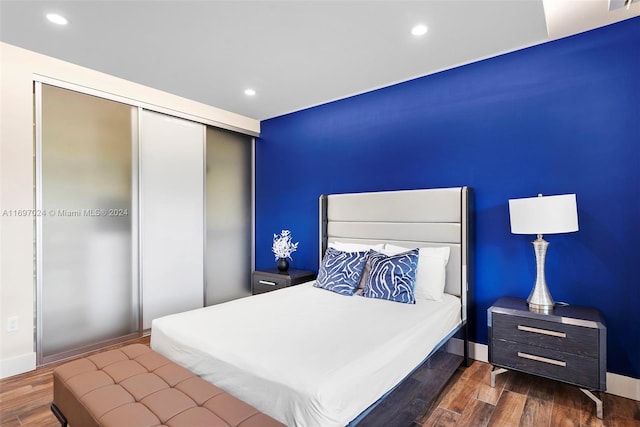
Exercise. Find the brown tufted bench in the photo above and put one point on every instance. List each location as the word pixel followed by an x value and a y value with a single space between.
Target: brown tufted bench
pixel 135 386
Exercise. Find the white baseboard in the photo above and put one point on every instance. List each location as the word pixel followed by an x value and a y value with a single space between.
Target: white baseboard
pixel 17 365
pixel 479 352
pixel 623 386
pixel 616 384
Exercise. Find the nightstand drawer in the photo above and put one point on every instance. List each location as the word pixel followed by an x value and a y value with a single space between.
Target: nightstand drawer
pixel 570 338
pixel 269 283
pixel 568 367
pixel 272 279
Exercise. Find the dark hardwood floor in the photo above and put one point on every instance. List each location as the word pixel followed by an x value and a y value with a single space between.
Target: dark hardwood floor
pixel 467 400
pixel 25 399
pixel 522 400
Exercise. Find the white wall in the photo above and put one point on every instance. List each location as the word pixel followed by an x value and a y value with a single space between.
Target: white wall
pixel 17 70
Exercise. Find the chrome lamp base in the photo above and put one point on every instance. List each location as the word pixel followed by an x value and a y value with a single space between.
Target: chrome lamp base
pixel 540 299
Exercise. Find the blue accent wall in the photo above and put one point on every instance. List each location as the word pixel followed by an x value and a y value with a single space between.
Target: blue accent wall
pixel 561 117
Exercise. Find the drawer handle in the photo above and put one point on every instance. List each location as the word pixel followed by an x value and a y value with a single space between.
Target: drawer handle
pixel 542 331
pixel 266 282
pixel 542 359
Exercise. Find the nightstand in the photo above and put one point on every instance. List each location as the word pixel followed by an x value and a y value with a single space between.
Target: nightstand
pixel 272 279
pixel 569 344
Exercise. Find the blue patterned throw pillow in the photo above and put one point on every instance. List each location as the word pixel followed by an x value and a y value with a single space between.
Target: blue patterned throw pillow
pixel 340 271
pixel 392 277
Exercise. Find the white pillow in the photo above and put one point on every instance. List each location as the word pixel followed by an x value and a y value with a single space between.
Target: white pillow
pixel 355 247
pixel 432 270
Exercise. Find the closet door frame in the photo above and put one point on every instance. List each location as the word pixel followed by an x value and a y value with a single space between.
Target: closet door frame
pixel 38 81
pixel 37 78
pixel 252 209
pixel 251 141
pixel 41 359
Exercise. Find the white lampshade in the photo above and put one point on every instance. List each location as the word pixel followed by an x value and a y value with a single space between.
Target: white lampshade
pixel 544 215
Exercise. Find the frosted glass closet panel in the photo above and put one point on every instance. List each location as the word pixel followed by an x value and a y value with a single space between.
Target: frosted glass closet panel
pixel 86 275
pixel 171 215
pixel 229 215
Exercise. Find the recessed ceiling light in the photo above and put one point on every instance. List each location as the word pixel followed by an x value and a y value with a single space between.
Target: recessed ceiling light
pixel 249 92
pixel 57 19
pixel 419 30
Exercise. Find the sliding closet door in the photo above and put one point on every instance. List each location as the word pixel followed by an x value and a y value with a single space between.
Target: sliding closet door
pixel 86 231
pixel 229 215
pixel 172 215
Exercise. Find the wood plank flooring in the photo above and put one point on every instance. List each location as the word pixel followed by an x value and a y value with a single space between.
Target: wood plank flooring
pixel 25 399
pixel 522 400
pixel 518 400
pixel 416 394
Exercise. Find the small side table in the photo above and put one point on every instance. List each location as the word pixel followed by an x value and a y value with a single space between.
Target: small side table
pixel 568 344
pixel 273 279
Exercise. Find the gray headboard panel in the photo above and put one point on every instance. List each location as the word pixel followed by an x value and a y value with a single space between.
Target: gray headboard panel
pixel 410 218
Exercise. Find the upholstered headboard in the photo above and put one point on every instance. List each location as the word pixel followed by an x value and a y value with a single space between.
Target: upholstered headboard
pixel 410 218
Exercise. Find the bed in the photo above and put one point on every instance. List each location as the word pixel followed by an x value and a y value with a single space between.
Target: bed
pixel 308 356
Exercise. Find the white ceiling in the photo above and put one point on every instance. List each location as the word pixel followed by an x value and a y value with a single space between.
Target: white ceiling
pixel 295 54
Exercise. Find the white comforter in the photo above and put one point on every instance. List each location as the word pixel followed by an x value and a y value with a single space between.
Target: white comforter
pixel 303 355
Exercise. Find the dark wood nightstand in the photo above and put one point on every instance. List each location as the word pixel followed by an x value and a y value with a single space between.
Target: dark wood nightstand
pixel 568 344
pixel 272 279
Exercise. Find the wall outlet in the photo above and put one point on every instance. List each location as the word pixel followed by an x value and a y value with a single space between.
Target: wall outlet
pixel 12 324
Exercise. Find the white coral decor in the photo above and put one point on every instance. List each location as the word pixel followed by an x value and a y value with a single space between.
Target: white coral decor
pixel 282 245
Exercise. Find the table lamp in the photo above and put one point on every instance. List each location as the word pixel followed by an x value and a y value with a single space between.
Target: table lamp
pixel 543 215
